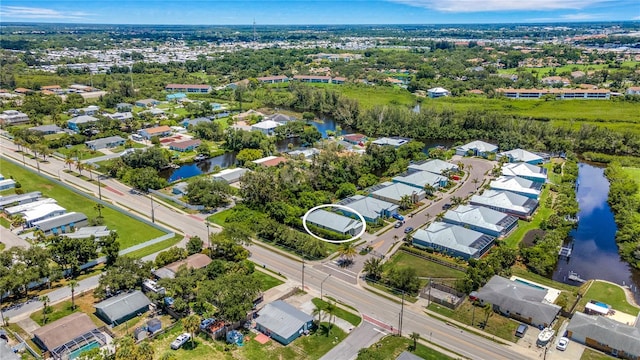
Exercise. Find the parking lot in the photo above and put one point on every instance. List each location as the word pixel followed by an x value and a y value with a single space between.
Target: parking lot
pixel 528 344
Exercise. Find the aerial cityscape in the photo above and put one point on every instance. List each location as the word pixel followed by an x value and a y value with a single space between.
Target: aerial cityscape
pixel 335 180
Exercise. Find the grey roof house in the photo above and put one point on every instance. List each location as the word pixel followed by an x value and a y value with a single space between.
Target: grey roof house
pixel 525 171
pixel 476 148
pixel 46 129
pixel 19 199
pixel 394 192
pixel 605 334
pixel 391 141
pixel 453 240
pixel 370 208
pixel 230 176
pixel 482 219
pixel 61 224
pixel 517 185
pixel 519 301
pixel 67 335
pixel 108 142
pixel 507 202
pixel 331 221
pixel 421 178
pixel 283 322
pixel 435 166
pixel 118 309
pixel 520 155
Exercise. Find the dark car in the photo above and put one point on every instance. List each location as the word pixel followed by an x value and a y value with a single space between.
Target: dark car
pixel 446 206
pixel 522 329
pixel 408 230
pixel 398 224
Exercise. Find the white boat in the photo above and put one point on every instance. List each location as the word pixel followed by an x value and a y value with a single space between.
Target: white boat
pixel 545 336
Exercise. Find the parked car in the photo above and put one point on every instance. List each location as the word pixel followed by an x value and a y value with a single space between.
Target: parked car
pixel 205 323
pixel 398 224
pixel 446 206
pixel 180 340
pixel 562 344
pixel 398 217
pixel 521 330
pixel 408 230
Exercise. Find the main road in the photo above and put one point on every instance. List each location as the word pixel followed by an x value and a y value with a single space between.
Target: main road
pixel 376 308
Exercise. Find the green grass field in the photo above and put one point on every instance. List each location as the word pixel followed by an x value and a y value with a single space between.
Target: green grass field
pixel 79 150
pixel 542 213
pixel 266 280
pixel 348 316
pixel 390 347
pixel 610 294
pixel 544 71
pixel 370 96
pixel 130 230
pixel 424 268
pixel 589 354
pixel 634 173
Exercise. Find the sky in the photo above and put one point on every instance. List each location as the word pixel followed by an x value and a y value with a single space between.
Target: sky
pixel 316 12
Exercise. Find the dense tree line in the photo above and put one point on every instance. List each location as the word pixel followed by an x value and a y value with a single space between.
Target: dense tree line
pixel 625 205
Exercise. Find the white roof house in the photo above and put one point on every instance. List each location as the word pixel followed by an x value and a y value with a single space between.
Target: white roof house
pixel 517 185
pixel 390 141
pixel 28 206
pixel 421 178
pixel 44 211
pixel 520 155
pixel 525 171
pixel 437 92
pixel 478 148
pixel 482 219
pixel 267 126
pixel 454 240
pixel 393 192
pixel 230 176
pixel 335 222
pixel 507 202
pixel 370 208
pixel 435 166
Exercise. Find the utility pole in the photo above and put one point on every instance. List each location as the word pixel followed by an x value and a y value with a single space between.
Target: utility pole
pixel 153 219
pixel 302 274
pixel 401 316
pixel 208 236
pixel 99 188
pixel 322 283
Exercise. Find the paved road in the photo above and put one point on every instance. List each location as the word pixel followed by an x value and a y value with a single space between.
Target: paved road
pixel 375 307
pixel 10 239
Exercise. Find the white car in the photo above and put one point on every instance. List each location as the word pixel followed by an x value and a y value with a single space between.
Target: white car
pixel 180 340
pixel 562 344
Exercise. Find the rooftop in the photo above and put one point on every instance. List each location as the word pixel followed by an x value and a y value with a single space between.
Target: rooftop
pixel 117 307
pixel 396 191
pixel 64 330
pixel 454 237
pixel 481 217
pixel 60 220
pixel 516 184
pixel 521 155
pixel 505 200
pixel 282 318
pixel 421 178
pixel 157 129
pixel 367 206
pixel 616 335
pixel 435 166
pixel 334 221
pixel 524 170
pixel 478 145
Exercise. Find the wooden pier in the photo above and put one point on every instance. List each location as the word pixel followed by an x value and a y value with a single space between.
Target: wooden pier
pixel 575 277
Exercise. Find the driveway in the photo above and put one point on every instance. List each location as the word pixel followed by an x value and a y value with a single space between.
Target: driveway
pixel 363 336
pixel 10 239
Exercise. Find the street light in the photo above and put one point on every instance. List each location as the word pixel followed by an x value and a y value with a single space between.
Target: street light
pixel 322 283
pixel 302 274
pixel 153 218
pixel 99 188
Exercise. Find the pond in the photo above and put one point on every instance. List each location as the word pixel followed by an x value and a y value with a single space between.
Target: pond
pixel 595 252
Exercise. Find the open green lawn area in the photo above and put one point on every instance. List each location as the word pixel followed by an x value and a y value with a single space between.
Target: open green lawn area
pixel 544 71
pixel 553 177
pixel 610 294
pixel 58 311
pixel 162 245
pixel 634 173
pixel 424 268
pixel 390 347
pixel 80 150
pixel 267 281
pixel 370 96
pixel 219 218
pixel 589 354
pixel 497 324
pixel 130 230
pixel 350 317
pixel 541 213
pixel 521 271
pixel 4 222
pixel 119 149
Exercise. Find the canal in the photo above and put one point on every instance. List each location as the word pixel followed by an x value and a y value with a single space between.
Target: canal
pixel 595 252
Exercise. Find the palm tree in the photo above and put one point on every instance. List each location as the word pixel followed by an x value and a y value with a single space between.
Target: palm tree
pixel 347 251
pixel 73 284
pixel 330 309
pixel 317 311
pixel 374 268
pixel 68 161
pixel 414 336
pixel 191 324
pixel 439 217
pixel 125 348
pixel 80 166
pixel 475 181
pixel 457 200
pixel 460 165
pixel 429 189
pixel 45 301
pixel 17 220
pixel 488 308
pixel 406 202
pixel 98 207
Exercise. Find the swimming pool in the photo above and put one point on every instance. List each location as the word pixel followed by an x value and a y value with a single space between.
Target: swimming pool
pixel 77 352
pixel 530 284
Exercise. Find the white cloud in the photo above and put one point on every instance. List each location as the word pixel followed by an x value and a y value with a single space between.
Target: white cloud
pixel 457 6
pixel 24 12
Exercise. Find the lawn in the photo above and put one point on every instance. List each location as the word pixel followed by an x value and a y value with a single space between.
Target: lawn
pixel 542 213
pixel 58 311
pixel 589 354
pixel 348 316
pixel 634 173
pixel 390 347
pixel 4 222
pixel 80 151
pixel 130 230
pixel 424 268
pixel 119 149
pixel 610 294
pixel 148 250
pixel 202 347
pixel 219 218
pixel 553 177
pixel 84 303
pixel 267 281
pixel 370 96
pixel 497 324
pixel 544 71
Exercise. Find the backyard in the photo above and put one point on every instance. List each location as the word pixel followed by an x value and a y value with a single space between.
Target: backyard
pixel 424 268
pixel 610 294
pixel 390 347
pixel 524 227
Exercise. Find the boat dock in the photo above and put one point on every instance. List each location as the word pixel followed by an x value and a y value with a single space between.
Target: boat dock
pixel 565 251
pixel 575 277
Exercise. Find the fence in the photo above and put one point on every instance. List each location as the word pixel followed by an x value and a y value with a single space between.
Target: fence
pixel 443 295
pixel 36 354
pixel 177 201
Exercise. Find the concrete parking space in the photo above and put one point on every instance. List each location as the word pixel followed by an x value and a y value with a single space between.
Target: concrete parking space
pixel 10 239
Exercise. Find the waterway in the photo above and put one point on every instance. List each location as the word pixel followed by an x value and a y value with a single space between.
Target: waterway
pixel 595 252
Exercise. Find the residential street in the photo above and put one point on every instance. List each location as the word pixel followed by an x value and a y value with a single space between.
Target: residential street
pixel 381 309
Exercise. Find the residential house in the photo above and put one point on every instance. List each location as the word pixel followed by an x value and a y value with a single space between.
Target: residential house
pixel 122 116
pixel 19 209
pixel 453 240
pixel 269 161
pixel 633 90
pixel 189 88
pixel 280 118
pixel 86 232
pixel 247 114
pixel 230 176
pixel 42 212
pixel 306 153
pixel 184 146
pixel 46 129
pixel 153 112
pixel 68 335
pixel 118 309
pixel 338 80
pixel 518 300
pixel 76 123
pixel 355 139
pixel 195 261
pixel 604 334
pixel 176 96
pixel 434 166
pixel 482 219
pixel 370 208
pixel 13 117
pixel 506 202
pixel 159 131
pixel 283 322
pixel 6 184
pixel 56 89
pixel 313 79
pixel 477 148
pixel 267 127
pixel 396 142
pixel 273 79
pixel 144 103
pixel 331 221
pixel 419 179
pixel 405 355
pixel 555 80
pixel 517 185
pixel 520 155
pixel 525 171
pixel 395 192
pixel 89 110
pixel 124 107
pixel 193 122
pixel 19 199
pixel 105 143
pixel 437 92
pixel 62 224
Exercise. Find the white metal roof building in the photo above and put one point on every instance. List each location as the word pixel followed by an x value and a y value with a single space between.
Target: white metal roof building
pixel 7 184
pixel 370 208
pixel 115 310
pixel 437 92
pixel 62 224
pixel 331 221
pixel 476 148
pixel 266 126
pixel 230 176
pixel 19 199
pixel 453 240
pixel 390 141
pixel 507 202
pixel 394 192
pixel 435 166
pixel 520 155
pixel 44 211
pixel 283 322
pixel 525 171
pixel 517 185
pixel 482 219
pixel 421 178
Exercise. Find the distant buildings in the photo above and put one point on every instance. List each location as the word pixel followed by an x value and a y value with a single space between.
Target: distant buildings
pixel 337 223
pixel 560 94
pixel 633 90
pixel 144 103
pixel 482 219
pixel 370 208
pixel 396 142
pixel 525 171
pixel 230 176
pixel 77 122
pixel 160 131
pixel 273 79
pixel 46 129
pixel 189 88
pixel 269 161
pixel 453 240
pixel 104 143
pixel 184 146
pixel 477 148
pixel 267 127
pixel 434 166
